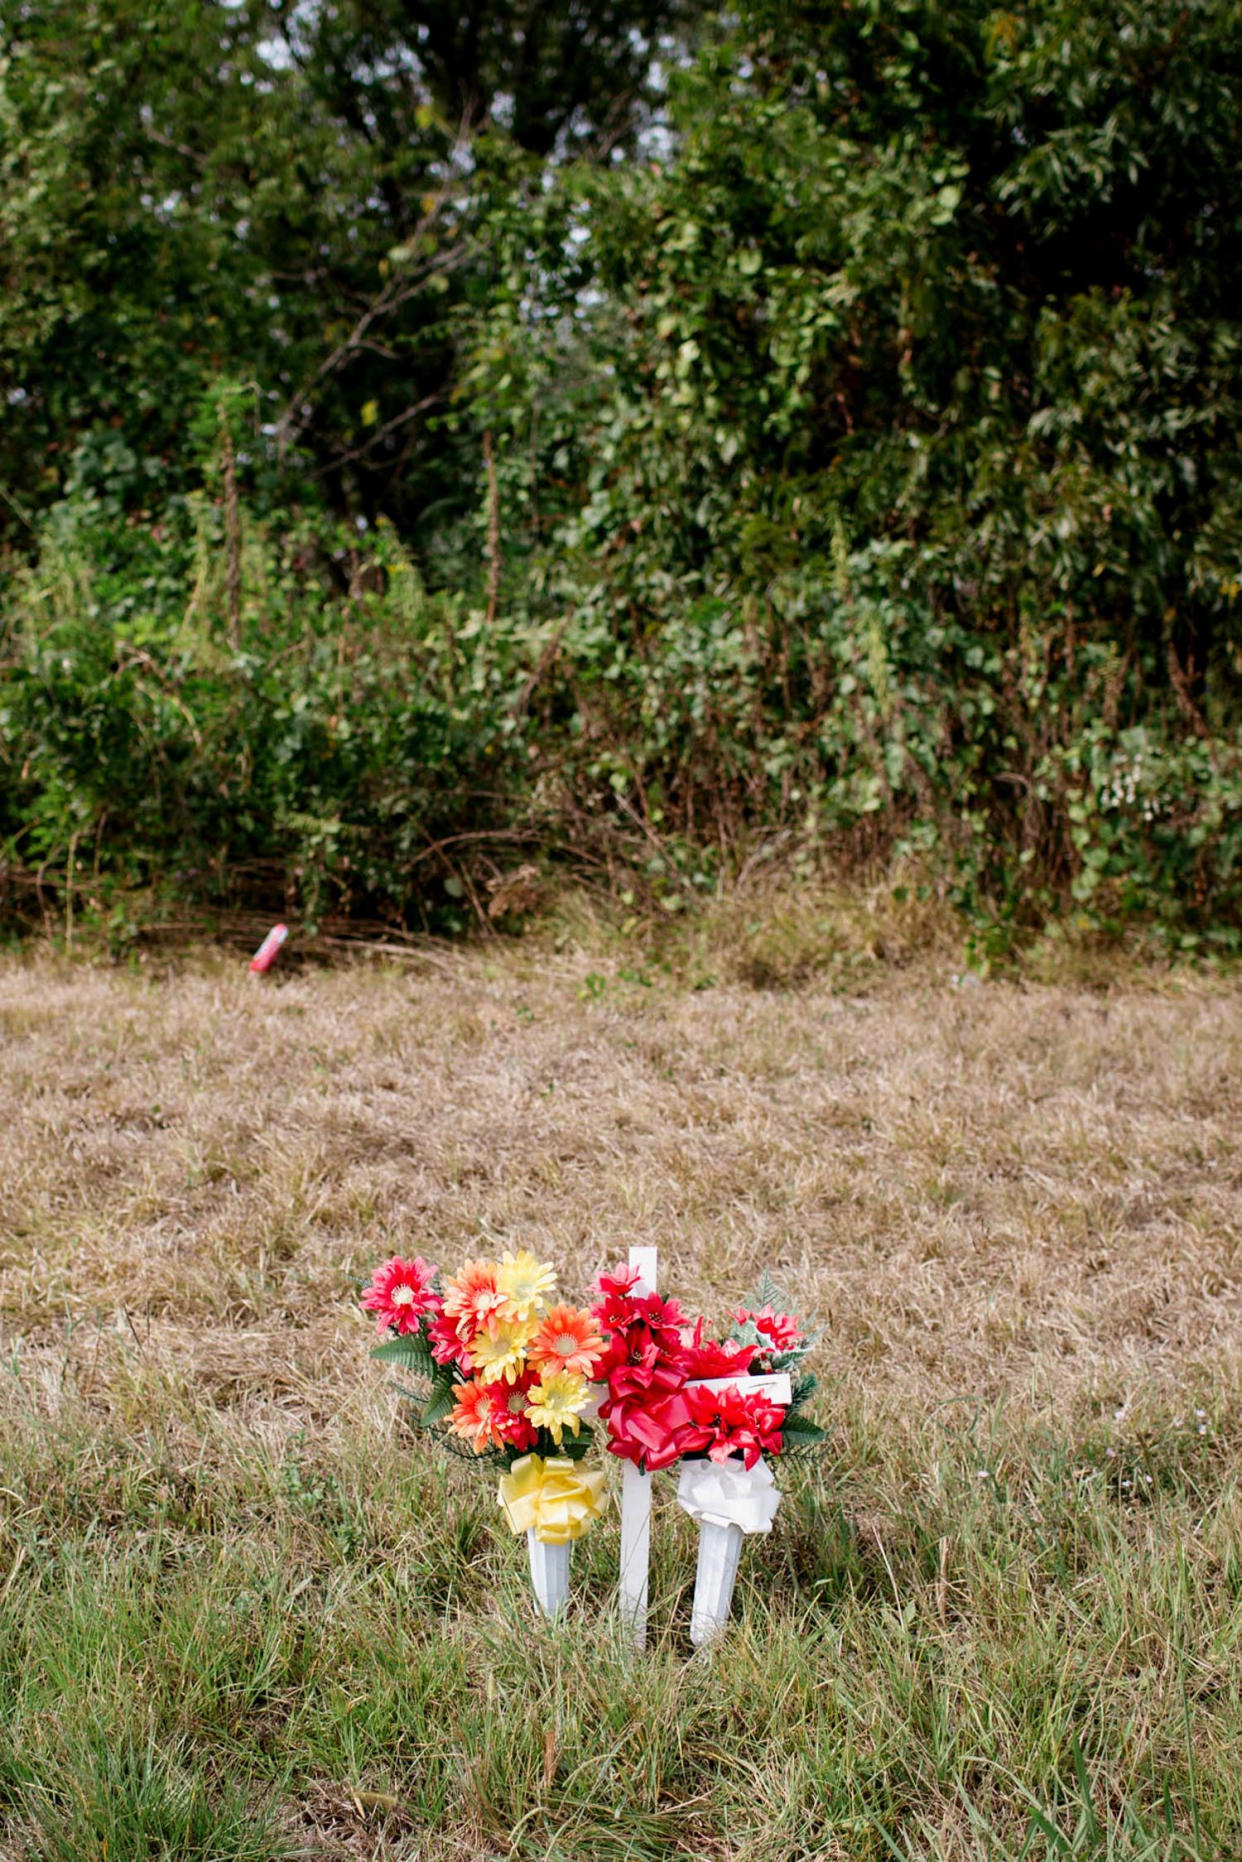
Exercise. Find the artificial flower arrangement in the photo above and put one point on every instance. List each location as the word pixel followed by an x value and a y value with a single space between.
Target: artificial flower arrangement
pixel 515 1377
pixel 506 1370
pixel 674 1393
pixel 720 1409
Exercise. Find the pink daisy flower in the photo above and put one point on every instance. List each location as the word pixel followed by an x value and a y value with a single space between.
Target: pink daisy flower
pixel 400 1293
pixel 446 1346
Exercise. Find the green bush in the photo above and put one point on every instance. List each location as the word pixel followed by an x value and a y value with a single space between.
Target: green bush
pixel 851 465
pixel 880 449
pixel 304 752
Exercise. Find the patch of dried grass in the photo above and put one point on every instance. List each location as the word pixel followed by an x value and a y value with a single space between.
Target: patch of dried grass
pixel 1021 1194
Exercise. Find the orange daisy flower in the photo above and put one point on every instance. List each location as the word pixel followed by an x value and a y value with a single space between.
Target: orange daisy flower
pixel 566 1341
pixel 471 1299
pixel 481 1415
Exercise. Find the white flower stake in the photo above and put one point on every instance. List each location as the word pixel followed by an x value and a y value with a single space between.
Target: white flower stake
pixel 549 1573
pixel 553 1501
pixel 669 1395
pixel 728 1500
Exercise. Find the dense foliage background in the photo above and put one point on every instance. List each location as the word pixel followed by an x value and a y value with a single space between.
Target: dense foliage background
pixel 440 437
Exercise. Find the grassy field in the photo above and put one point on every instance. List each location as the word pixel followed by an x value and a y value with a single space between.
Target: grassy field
pixel 245 1615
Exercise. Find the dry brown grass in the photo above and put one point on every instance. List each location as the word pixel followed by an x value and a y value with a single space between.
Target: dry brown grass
pixel 1027 1193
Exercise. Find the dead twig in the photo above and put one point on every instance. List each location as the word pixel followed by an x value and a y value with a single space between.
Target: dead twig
pixel 389 426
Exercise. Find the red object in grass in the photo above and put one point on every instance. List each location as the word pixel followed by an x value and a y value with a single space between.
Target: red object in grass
pixel 268 950
pixel 645 1365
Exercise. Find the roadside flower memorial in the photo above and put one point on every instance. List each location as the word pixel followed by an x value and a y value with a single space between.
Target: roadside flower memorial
pixel 515 1377
pixel 718 1409
pixel 506 1370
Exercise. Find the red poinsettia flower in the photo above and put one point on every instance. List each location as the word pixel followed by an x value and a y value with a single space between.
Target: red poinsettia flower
pixel 707 1357
pixel 781 1328
pixel 637 1325
pixel 620 1306
pixel 611 1311
pixel 727 1422
pixel 400 1293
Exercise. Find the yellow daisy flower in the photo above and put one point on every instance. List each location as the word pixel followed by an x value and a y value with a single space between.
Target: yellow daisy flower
pixel 525 1283
pixel 501 1352
pixel 554 1404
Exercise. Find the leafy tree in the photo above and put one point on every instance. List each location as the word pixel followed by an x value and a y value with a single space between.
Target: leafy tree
pixel 279 194
pixel 882 445
pixel 815 416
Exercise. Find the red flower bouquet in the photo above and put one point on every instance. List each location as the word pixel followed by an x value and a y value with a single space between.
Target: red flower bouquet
pixel 645 1366
pixel 669 1397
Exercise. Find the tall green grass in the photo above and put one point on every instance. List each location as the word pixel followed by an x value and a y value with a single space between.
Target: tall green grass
pixel 227 1649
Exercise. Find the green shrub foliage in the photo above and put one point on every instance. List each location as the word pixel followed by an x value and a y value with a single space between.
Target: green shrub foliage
pixel 309 753
pixel 831 432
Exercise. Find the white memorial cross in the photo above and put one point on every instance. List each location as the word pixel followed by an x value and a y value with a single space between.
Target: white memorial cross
pixel 636 1501
pixel 636 1486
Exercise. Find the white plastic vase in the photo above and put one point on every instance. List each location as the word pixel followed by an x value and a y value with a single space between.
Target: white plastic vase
pixel 726 1501
pixel 549 1573
pixel 720 1548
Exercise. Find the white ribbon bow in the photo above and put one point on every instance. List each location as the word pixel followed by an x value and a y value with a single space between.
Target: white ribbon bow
pixel 729 1494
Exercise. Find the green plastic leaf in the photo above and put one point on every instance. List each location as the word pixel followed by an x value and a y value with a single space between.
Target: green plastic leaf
pixel 438 1406
pixel 800 1432
pixel 410 1354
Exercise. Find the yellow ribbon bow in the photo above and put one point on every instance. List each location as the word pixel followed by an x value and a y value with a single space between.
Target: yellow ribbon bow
pixel 555 1497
